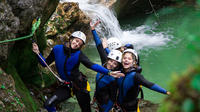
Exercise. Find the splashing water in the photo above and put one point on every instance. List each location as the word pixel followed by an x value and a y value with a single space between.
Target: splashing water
pixel 141 40
pixel 110 27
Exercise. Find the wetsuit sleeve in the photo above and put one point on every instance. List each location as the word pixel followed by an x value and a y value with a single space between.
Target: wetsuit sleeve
pixel 107 50
pixel 142 81
pixel 86 62
pixel 99 46
pixel 138 61
pixel 48 60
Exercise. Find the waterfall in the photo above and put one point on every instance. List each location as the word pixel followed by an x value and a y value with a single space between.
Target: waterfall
pixel 109 27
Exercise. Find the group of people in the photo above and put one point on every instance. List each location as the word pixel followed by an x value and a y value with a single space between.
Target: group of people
pixel 118 80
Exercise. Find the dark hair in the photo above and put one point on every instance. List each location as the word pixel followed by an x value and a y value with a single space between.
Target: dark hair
pixel 71 38
pixel 119 66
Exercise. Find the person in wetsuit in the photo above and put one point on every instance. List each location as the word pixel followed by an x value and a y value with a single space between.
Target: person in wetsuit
pixel 106 86
pixel 67 59
pixel 129 85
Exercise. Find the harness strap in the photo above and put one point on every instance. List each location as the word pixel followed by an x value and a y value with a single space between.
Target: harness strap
pixel 138 109
pixel 63 81
pixel 141 93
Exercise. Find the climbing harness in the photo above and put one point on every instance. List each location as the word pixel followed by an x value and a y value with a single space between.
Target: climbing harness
pixel 35 26
pixel 138 107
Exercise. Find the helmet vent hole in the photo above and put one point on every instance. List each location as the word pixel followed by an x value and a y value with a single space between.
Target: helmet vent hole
pixel 117 58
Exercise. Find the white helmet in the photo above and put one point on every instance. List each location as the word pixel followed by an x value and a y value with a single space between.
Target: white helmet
pixel 115 55
pixel 80 35
pixel 132 51
pixel 113 43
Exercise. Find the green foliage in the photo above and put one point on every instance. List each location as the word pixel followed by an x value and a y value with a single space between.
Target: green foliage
pixel 165 107
pixel 1 72
pixel 43 80
pixel 195 83
pixel 198 2
pixel 3 86
pixel 188 105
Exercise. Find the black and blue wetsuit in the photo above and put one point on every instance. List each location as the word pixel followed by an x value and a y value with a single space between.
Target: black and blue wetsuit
pixel 106 86
pixel 129 89
pixel 67 63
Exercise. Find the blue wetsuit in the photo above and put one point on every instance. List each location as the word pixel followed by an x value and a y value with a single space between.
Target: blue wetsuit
pixel 129 89
pixel 106 86
pixel 67 63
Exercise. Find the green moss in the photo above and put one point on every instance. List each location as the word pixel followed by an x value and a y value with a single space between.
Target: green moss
pixel 22 90
pixel 1 72
pixel 43 80
pixel 23 66
pixel 188 105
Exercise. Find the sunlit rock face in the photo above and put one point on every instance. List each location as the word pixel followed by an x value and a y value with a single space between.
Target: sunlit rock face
pixel 67 19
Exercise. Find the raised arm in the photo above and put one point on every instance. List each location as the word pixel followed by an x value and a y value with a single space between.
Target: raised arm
pixel 99 46
pixel 48 60
pixel 98 43
pixel 86 62
pixel 142 81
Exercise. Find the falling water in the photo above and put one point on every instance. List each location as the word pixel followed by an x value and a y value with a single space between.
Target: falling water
pixel 110 27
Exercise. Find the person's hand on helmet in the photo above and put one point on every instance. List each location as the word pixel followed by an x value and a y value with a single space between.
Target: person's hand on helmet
pixel 35 48
pixel 92 26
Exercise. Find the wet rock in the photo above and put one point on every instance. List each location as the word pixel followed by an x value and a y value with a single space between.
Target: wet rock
pixel 147 106
pixel 67 18
pixel 107 3
pixel 9 25
pixel 16 18
pixel 125 8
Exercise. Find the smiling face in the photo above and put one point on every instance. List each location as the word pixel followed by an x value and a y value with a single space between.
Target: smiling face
pixel 127 60
pixel 76 43
pixel 112 64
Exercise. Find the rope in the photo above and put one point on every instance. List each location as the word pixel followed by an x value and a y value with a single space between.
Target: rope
pixel 35 26
pixel 63 81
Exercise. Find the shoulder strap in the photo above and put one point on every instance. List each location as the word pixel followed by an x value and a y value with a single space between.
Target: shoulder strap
pixel 141 91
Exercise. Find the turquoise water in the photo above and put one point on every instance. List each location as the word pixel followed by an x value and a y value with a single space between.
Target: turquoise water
pixel 160 63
